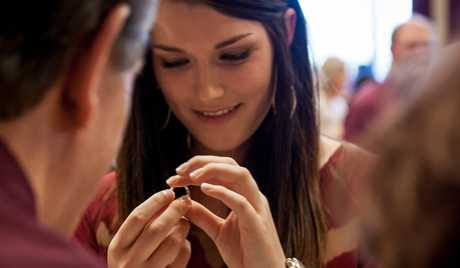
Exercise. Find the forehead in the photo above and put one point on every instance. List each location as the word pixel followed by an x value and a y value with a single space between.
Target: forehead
pixel 183 23
pixel 415 32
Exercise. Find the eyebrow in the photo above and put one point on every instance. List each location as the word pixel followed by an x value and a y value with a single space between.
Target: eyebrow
pixel 168 48
pixel 232 40
pixel 220 45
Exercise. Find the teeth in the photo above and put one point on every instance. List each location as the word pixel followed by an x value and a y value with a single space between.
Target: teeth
pixel 218 113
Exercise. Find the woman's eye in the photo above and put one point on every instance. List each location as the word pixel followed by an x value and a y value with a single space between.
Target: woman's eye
pixel 235 57
pixel 174 63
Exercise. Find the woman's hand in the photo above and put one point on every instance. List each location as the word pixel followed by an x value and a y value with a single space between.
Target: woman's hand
pixel 247 237
pixel 153 235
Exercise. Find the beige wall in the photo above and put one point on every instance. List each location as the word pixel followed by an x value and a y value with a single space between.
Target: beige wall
pixel 440 14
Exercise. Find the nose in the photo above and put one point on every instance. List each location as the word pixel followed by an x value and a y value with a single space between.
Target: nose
pixel 206 86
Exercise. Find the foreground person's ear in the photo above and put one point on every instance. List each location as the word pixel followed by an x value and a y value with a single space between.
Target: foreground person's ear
pixel 87 69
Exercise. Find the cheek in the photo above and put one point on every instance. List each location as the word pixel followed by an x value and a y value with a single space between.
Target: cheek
pixel 114 112
pixel 252 79
pixel 118 97
pixel 128 92
pixel 122 101
pixel 175 86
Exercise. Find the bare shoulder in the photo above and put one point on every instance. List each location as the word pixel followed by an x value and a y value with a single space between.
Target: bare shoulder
pixel 327 148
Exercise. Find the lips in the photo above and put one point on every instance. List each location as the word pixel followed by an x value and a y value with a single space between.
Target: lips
pixel 219 112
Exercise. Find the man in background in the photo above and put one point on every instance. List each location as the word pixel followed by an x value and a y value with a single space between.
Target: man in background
pixel 412 43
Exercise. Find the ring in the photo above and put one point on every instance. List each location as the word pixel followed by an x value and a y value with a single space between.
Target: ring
pixel 181 191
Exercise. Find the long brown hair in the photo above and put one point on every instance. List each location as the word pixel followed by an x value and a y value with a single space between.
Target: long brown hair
pixel 283 153
pixel 417 182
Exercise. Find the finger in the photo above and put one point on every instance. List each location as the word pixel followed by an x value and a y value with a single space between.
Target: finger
pixel 180 181
pixel 169 249
pixel 236 202
pixel 140 217
pixel 201 160
pixel 183 257
pixel 235 178
pixel 204 219
pixel 154 233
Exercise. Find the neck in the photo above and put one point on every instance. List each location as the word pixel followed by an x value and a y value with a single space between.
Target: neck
pixel 238 154
pixel 395 67
pixel 41 152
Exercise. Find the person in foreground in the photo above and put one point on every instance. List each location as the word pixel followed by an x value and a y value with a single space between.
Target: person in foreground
pixel 415 210
pixel 65 86
pixel 227 95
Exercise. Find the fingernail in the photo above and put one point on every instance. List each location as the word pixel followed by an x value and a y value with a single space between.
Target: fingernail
pixel 206 186
pixel 185 201
pixel 168 193
pixel 125 11
pixel 181 168
pixel 185 198
pixel 197 173
pixel 171 180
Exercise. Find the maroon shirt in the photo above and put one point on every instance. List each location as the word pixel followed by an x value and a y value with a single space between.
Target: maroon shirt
pixel 363 110
pixel 24 242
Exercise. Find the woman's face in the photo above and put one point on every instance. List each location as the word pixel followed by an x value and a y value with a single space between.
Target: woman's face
pixel 214 71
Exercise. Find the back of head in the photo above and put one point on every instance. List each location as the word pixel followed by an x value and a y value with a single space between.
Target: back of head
pixel 39 40
pixel 417 186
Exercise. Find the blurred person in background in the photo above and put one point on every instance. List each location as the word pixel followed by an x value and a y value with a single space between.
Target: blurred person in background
pixel 415 200
pixel 333 104
pixel 66 70
pixel 365 76
pixel 412 39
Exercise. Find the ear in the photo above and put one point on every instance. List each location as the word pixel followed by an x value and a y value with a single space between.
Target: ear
pixel 290 20
pixel 85 74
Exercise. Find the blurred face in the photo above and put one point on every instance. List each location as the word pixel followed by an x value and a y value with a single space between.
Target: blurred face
pixel 413 38
pixel 340 80
pixel 214 71
pixel 114 111
pixel 103 134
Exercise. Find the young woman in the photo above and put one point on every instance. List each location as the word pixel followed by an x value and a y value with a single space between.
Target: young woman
pixel 227 95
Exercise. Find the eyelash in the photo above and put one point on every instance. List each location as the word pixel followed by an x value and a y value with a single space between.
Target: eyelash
pixel 229 57
pixel 174 64
pixel 237 57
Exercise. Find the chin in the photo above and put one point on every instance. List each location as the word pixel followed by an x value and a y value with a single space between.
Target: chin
pixel 222 150
pixel 221 147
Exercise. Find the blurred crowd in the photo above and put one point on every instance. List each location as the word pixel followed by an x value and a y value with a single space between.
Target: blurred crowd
pixel 348 110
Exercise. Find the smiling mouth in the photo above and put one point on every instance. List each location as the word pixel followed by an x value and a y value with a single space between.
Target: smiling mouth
pixel 218 113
